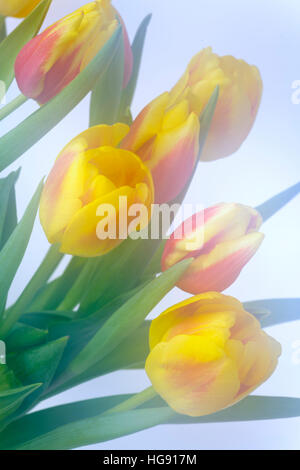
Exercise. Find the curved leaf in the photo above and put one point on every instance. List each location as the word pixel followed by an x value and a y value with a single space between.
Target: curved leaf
pixel 12 254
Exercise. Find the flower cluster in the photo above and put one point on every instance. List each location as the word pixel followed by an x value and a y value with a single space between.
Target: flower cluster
pixel 206 353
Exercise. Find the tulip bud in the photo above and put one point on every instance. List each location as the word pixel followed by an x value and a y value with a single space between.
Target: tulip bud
pixel 17 8
pixel 221 239
pixel 51 60
pixel 91 172
pixel 207 353
pixel 167 139
pixel 239 98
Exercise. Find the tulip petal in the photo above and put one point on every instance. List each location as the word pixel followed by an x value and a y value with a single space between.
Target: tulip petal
pixel 220 268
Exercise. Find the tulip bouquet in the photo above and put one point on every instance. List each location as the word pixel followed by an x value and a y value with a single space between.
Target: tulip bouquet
pixel 203 356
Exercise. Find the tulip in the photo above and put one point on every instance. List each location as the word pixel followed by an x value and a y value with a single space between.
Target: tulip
pixel 166 138
pixel 208 353
pixel 240 94
pixel 51 60
pixel 221 239
pixel 92 172
pixel 17 8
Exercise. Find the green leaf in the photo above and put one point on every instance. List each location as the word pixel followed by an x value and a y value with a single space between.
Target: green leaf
pixel 38 124
pixel 78 424
pixel 51 295
pixel 24 336
pixel 41 422
pixel 12 254
pixel 273 205
pixel 96 429
pixel 126 319
pixel 37 365
pixel 137 51
pixel 281 310
pixel 39 279
pixel 106 95
pixel 8 215
pixel 11 399
pixel 12 44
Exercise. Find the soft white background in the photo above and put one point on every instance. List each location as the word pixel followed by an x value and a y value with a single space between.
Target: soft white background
pixel 265 33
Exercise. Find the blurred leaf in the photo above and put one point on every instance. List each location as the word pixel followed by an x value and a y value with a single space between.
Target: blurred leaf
pixel 8 212
pixel 137 50
pixel 106 95
pixel 24 336
pixel 126 319
pixel 96 429
pixel 38 124
pixel 281 310
pixel 11 399
pixel 37 365
pixel 12 44
pixel 273 205
pixel 12 254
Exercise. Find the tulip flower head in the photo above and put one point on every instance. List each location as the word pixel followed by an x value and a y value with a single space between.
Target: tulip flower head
pixel 91 172
pixel 167 139
pixel 51 60
pixel 17 8
pixel 222 241
pixel 207 353
pixel 239 98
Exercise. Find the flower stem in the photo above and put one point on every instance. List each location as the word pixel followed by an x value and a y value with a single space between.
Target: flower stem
pixel 41 276
pixel 12 106
pixel 134 402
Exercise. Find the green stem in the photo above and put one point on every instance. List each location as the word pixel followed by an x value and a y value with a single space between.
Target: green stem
pixel 134 402
pixel 12 106
pixel 3 31
pixel 41 276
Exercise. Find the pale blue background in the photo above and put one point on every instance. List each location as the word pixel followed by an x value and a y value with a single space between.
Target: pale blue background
pixel 265 33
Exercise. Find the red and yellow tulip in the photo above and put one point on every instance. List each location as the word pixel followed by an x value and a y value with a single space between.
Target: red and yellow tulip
pixel 240 94
pixel 51 60
pixel 92 171
pixel 167 139
pixel 207 353
pixel 17 8
pixel 221 239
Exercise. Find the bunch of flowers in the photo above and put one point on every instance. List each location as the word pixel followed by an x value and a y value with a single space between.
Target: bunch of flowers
pixel 203 355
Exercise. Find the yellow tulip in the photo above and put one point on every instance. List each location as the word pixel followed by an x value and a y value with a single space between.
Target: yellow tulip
pixel 222 239
pixel 51 60
pixel 167 139
pixel 240 94
pixel 17 8
pixel 208 353
pixel 92 172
